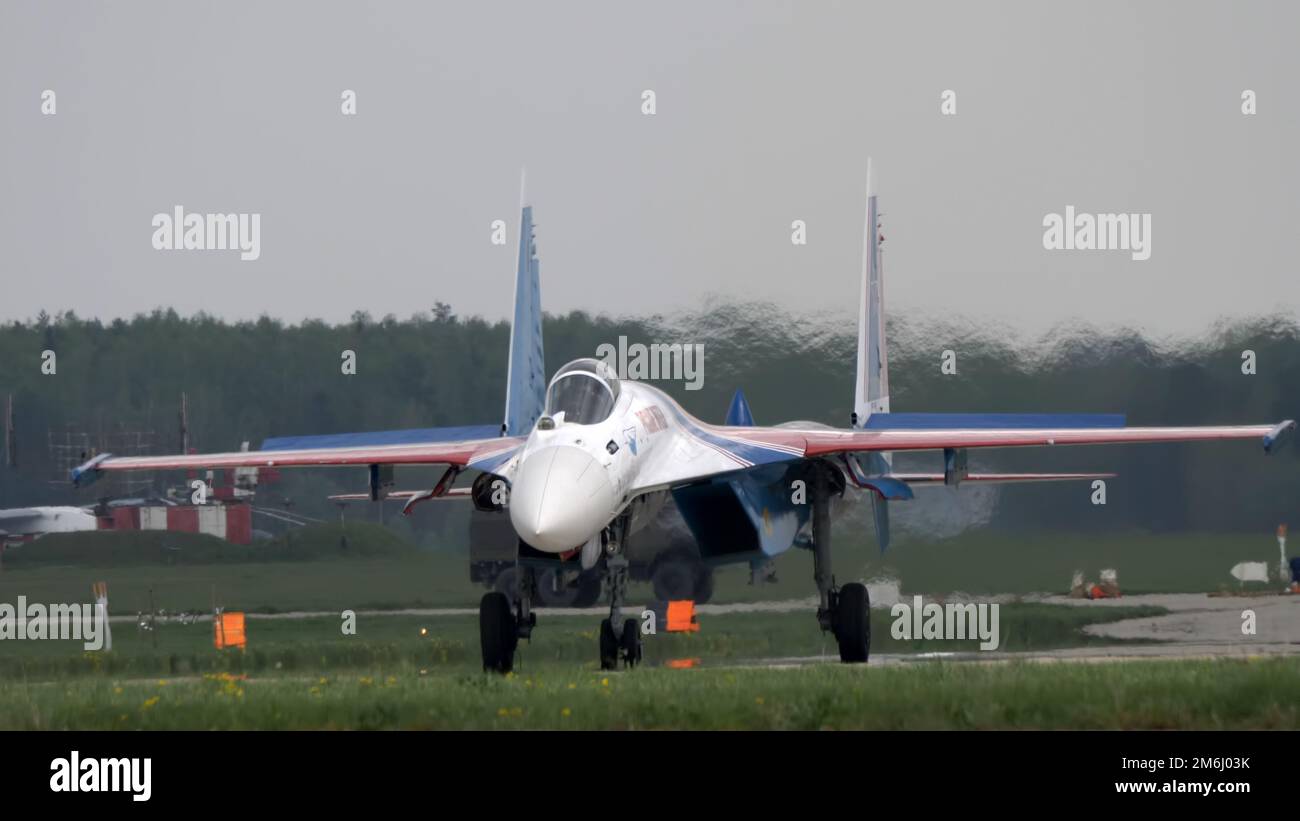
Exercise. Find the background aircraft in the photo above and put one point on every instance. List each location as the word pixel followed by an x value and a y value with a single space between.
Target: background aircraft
pixel 23 524
pixel 585 462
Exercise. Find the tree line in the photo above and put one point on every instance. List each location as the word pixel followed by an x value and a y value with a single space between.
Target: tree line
pixel 245 381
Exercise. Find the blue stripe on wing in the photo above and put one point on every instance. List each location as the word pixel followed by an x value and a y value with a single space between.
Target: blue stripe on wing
pixel 411 436
pixel 751 452
pixel 490 463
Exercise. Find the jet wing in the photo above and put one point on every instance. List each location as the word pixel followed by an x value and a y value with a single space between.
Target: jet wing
pixel 996 478
pixel 481 454
pixel 731 449
pixel 20 520
pixel 18 513
pixel 404 495
pixel 826 442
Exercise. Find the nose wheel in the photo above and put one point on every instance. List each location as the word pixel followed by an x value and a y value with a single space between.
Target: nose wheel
pixel 615 648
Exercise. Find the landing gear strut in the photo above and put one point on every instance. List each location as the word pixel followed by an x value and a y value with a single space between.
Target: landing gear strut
pixel 844 611
pixel 620 638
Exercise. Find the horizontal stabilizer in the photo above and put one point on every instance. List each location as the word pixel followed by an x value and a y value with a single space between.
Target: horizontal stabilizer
pixel 1280 433
pixel 889 488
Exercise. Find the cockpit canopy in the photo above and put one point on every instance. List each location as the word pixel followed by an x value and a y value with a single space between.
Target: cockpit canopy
pixel 584 390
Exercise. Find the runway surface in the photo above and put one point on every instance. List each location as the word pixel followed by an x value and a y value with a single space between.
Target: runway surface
pixel 1172 651
pixel 1197 625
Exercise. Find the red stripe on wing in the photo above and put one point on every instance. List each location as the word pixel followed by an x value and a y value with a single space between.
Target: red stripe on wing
pixel 432 453
pixel 825 442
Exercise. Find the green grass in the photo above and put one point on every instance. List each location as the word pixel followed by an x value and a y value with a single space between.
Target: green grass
pixel 118 548
pixel 317 646
pixel 420 580
pixel 1147 695
pixel 305 673
pixel 985 561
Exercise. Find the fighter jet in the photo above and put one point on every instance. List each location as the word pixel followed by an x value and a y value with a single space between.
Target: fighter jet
pixel 585 460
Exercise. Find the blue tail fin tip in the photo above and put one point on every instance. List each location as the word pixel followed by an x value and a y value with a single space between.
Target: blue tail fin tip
pixel 738 414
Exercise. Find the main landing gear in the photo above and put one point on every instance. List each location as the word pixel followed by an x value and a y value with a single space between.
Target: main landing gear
pixel 844 611
pixel 501 625
pixel 497 634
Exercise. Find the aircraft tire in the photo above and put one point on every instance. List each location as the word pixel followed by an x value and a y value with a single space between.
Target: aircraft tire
pixel 589 589
pixel 548 596
pixel 497 632
pixel 703 584
pixel 504 583
pixel 674 580
pixel 632 642
pixel 853 623
pixel 608 646
pixel 584 593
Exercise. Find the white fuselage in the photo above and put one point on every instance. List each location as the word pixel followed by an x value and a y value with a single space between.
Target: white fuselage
pixel 569 482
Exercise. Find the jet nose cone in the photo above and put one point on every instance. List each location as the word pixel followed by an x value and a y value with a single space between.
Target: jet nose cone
pixel 560 498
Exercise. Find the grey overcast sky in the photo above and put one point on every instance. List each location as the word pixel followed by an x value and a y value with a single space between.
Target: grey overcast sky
pixel 766 113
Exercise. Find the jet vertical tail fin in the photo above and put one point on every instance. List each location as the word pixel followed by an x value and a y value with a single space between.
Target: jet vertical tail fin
pixel 871 395
pixel 739 414
pixel 526 374
pixel 872 389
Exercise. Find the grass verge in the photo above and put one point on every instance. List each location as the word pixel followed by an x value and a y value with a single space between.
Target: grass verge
pixel 1247 694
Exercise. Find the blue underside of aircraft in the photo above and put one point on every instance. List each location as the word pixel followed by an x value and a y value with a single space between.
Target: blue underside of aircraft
pixel 749 516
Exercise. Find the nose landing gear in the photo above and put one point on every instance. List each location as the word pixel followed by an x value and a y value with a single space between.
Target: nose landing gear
pixel 620 638
pixel 504 619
